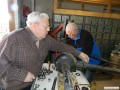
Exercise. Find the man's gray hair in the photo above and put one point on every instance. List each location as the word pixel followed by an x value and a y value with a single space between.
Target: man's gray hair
pixel 35 17
pixel 72 27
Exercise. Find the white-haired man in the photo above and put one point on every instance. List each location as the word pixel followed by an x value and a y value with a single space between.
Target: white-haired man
pixel 83 41
pixel 23 51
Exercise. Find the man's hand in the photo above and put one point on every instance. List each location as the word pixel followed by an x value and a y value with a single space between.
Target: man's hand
pixel 84 57
pixel 29 78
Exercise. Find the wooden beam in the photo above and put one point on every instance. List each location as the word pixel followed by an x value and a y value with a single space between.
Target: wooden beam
pixel 60 3
pixel 55 5
pixel 109 6
pixel 89 1
pixel 102 8
pixel 115 2
pixel 12 21
pixel 87 13
pixel 84 13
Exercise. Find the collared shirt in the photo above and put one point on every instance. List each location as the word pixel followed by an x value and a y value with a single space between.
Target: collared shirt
pixel 20 55
pixel 78 36
pixel 86 43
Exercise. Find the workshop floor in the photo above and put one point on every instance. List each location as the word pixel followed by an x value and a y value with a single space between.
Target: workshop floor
pixel 114 82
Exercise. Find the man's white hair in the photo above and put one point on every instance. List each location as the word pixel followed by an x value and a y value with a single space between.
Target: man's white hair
pixel 72 27
pixel 35 17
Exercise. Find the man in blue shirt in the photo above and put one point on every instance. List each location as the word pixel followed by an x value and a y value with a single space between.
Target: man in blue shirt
pixel 82 40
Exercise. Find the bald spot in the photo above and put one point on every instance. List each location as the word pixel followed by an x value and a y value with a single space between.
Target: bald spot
pixel 72 27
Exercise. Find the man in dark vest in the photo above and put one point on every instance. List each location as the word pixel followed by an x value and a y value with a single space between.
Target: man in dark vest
pixel 83 41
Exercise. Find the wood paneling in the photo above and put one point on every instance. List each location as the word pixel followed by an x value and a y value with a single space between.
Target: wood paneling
pixel 87 13
pixel 116 2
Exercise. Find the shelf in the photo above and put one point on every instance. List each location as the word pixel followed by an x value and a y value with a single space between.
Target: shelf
pixel 105 5
pixel 103 2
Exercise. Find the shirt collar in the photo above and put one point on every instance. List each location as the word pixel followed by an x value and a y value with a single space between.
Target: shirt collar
pixel 33 37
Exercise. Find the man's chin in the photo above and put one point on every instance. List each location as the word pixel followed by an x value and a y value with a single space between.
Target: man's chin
pixel 42 37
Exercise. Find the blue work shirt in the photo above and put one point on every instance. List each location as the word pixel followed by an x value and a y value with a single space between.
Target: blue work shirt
pixel 95 50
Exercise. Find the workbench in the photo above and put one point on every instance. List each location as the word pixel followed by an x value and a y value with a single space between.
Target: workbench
pixel 53 79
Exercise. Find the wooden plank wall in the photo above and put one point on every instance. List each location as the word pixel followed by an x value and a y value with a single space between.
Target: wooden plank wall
pixel 88 13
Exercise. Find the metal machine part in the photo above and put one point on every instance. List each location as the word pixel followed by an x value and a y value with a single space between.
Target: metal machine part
pixel 54 83
pixel 96 67
pixel 62 33
pixel 65 61
pixel 67 77
pixel 73 64
pixel 66 64
pixel 74 81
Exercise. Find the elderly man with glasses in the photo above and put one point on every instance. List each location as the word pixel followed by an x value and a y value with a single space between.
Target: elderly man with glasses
pixel 23 51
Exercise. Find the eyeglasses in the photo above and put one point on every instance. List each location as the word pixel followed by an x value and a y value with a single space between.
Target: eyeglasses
pixel 47 28
pixel 72 34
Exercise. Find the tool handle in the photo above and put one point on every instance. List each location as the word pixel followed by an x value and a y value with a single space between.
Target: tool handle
pixel 49 65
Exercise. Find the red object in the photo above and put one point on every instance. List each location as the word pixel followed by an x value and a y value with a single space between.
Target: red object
pixel 26 11
pixel 54 33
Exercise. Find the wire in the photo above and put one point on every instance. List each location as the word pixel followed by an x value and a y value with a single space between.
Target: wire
pixel 76 87
pixel 49 6
pixel 41 75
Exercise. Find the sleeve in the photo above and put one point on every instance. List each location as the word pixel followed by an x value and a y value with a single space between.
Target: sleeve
pixel 62 47
pixel 8 52
pixel 87 43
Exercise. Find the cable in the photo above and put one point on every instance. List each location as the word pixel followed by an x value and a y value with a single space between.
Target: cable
pixel 41 75
pixel 76 87
pixel 49 6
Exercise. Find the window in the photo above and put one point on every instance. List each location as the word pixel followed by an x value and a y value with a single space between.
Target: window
pixel 4 18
